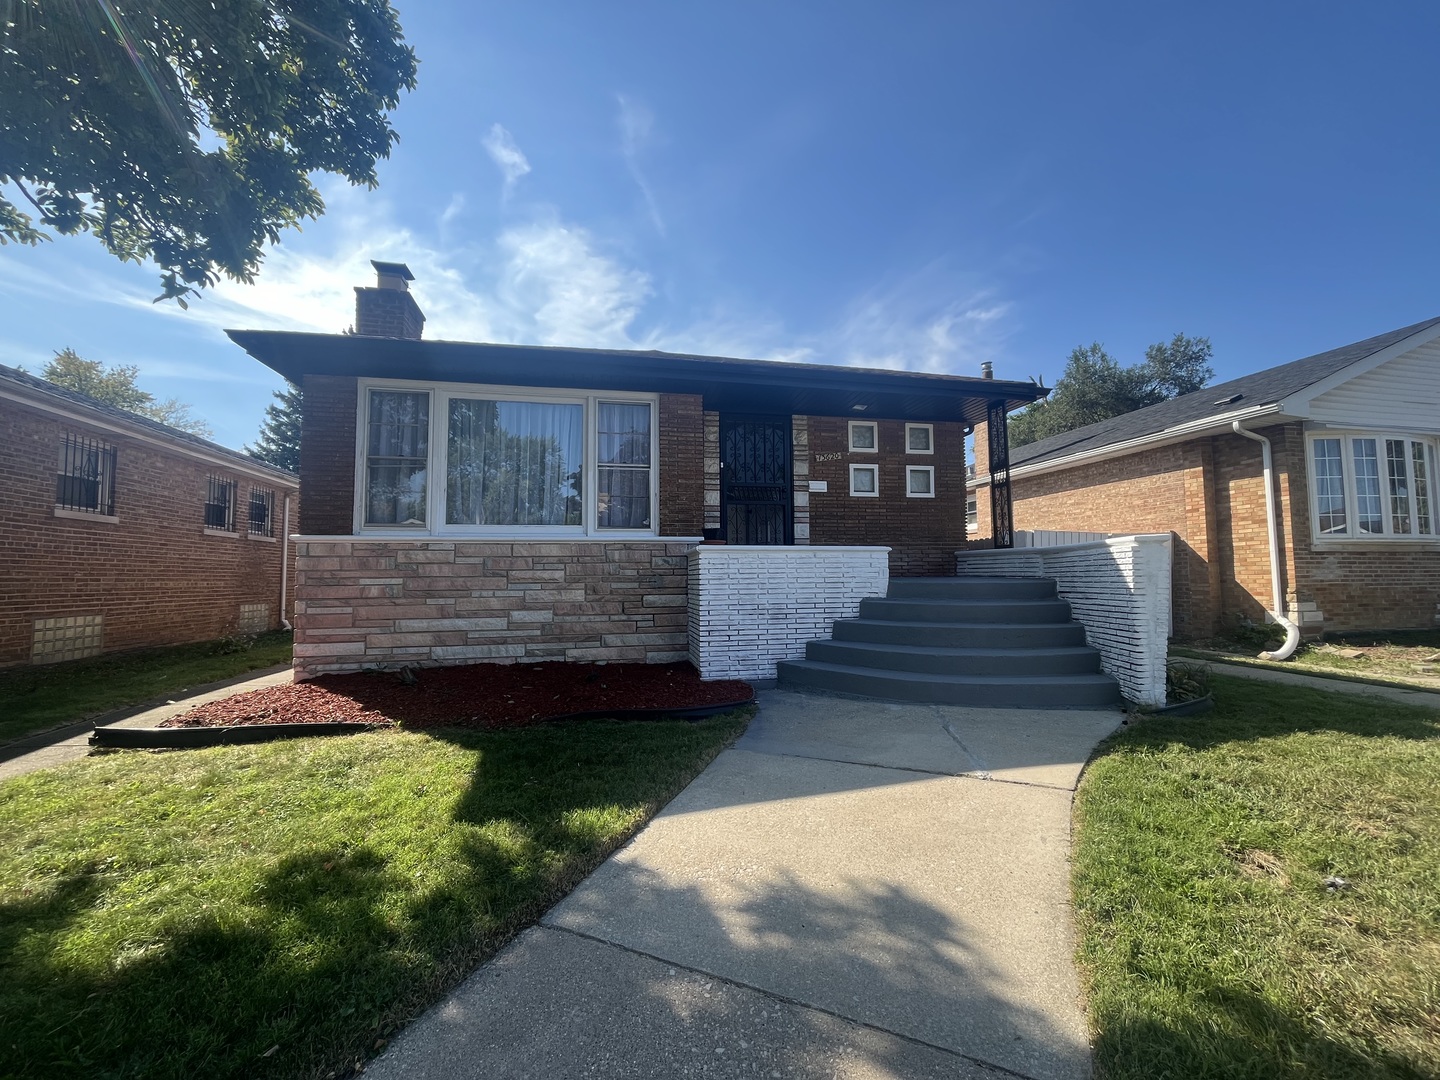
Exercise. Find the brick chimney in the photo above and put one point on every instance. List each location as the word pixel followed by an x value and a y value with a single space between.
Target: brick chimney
pixel 387 309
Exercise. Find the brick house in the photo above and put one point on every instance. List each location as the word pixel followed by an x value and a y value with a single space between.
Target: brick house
pixel 474 502
pixel 119 532
pixel 1352 437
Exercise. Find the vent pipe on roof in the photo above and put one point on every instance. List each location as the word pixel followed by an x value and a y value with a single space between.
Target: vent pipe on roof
pixel 987 369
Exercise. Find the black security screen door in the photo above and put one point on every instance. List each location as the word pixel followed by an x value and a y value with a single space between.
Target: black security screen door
pixel 755 480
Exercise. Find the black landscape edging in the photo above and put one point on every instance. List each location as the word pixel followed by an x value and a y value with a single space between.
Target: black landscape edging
pixel 227 735
pixel 695 712
pixel 1184 708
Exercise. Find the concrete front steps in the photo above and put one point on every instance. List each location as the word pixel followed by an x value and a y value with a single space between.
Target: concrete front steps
pixel 1007 642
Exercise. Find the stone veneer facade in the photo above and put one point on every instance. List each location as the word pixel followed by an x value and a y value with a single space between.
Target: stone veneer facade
pixel 387 603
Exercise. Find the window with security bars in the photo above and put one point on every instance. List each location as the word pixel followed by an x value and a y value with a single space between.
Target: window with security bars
pixel 85 479
pixel 262 511
pixel 220 504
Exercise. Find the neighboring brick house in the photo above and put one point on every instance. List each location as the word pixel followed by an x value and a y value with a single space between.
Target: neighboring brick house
pixel 569 485
pixel 119 532
pixel 1354 436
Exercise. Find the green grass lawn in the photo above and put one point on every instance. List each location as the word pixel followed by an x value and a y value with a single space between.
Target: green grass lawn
pixel 1209 941
pixel 275 910
pixel 36 698
pixel 1388 658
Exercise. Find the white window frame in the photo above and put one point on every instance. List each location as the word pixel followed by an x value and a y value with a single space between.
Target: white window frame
pixel 441 394
pixel 929 429
pixel 874 426
pixel 930 470
pixel 1352 535
pixel 873 470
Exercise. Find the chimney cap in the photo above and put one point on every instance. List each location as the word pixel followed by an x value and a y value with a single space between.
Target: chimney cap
pixel 389 269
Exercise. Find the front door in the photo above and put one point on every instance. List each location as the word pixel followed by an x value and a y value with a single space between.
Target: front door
pixel 755 488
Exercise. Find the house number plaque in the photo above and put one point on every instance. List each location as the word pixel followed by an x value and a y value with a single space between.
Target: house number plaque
pixel 828 457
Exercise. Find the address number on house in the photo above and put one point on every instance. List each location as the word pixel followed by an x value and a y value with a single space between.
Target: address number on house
pixel 828 457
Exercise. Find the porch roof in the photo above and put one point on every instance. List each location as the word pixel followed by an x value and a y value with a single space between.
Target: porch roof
pixel 726 384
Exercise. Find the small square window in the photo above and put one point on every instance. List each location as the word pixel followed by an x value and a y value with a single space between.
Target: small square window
pixel 920 481
pixel 864 436
pixel 865 481
pixel 919 438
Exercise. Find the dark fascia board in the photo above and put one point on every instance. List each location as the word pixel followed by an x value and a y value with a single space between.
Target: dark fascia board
pixel 732 385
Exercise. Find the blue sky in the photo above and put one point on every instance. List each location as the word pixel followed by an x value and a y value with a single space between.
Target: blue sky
pixel 922 185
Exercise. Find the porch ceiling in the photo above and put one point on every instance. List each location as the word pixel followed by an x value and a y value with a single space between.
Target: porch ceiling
pixel 727 385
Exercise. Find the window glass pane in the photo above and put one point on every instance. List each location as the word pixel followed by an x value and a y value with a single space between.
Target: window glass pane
pixel 1423 480
pixel 623 501
pixel 862 479
pixel 624 433
pixel 1329 486
pixel 919 437
pixel 513 463
pixel 920 481
pixel 862 437
pixel 1397 473
pixel 398 444
pixel 1367 487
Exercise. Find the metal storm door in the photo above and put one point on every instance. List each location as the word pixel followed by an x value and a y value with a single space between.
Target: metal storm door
pixel 755 488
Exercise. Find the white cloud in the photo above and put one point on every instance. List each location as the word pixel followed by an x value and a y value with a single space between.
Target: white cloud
pixel 636 122
pixel 501 147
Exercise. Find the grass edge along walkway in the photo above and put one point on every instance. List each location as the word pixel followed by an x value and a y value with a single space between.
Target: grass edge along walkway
pixel 41 697
pixel 280 909
pixel 1208 941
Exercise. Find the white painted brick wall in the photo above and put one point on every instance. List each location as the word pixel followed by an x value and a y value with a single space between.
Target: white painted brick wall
pixel 751 607
pixel 1118 588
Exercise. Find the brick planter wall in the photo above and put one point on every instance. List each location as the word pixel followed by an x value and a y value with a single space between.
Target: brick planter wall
pixel 751 607
pixel 1118 588
pixel 382 603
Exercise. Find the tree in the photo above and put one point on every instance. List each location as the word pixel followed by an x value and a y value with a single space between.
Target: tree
pixel 186 133
pixel 279 441
pixel 1095 387
pixel 116 386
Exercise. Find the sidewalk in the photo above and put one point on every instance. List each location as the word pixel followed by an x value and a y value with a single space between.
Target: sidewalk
pixel 62 744
pixel 857 889
pixel 1426 699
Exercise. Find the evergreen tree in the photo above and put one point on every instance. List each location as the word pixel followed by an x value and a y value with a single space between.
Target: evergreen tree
pixel 279 441
pixel 116 386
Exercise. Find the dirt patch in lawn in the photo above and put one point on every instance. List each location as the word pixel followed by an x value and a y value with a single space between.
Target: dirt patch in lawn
pixel 475 696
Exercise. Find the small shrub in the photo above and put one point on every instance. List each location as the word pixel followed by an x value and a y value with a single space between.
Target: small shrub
pixel 1186 682
pixel 1256 636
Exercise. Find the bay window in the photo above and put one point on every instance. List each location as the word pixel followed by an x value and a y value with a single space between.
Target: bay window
pixel 508 461
pixel 1373 486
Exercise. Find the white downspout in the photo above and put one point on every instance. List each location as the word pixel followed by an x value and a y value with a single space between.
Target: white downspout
pixel 285 566
pixel 1292 632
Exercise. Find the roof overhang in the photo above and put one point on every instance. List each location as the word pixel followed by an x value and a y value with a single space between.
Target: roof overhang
pixel 726 385
pixel 1195 429
pixel 1298 403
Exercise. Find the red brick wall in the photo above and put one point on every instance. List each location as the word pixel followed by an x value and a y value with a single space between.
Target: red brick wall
pixel 154 576
pixel 682 465
pixel 923 534
pixel 327 455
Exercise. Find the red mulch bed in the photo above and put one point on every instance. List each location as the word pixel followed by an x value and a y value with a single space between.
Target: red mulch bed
pixel 476 696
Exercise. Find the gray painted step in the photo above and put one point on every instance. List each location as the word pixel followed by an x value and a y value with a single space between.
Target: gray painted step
pixel 967 611
pixel 1039 691
pixel 971 588
pixel 960 635
pixel 950 661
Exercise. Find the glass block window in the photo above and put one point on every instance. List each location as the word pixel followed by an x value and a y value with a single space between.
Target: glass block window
pixel 85 478
pixel 262 511
pixel 220 504
pixel 253 618
pixel 68 638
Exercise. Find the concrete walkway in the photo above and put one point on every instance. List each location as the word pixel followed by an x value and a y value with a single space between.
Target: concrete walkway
pixel 61 744
pixel 1426 699
pixel 856 889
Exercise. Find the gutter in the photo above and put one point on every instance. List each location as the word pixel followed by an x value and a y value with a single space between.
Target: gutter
pixel 285 566
pixel 1210 425
pixel 1292 632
